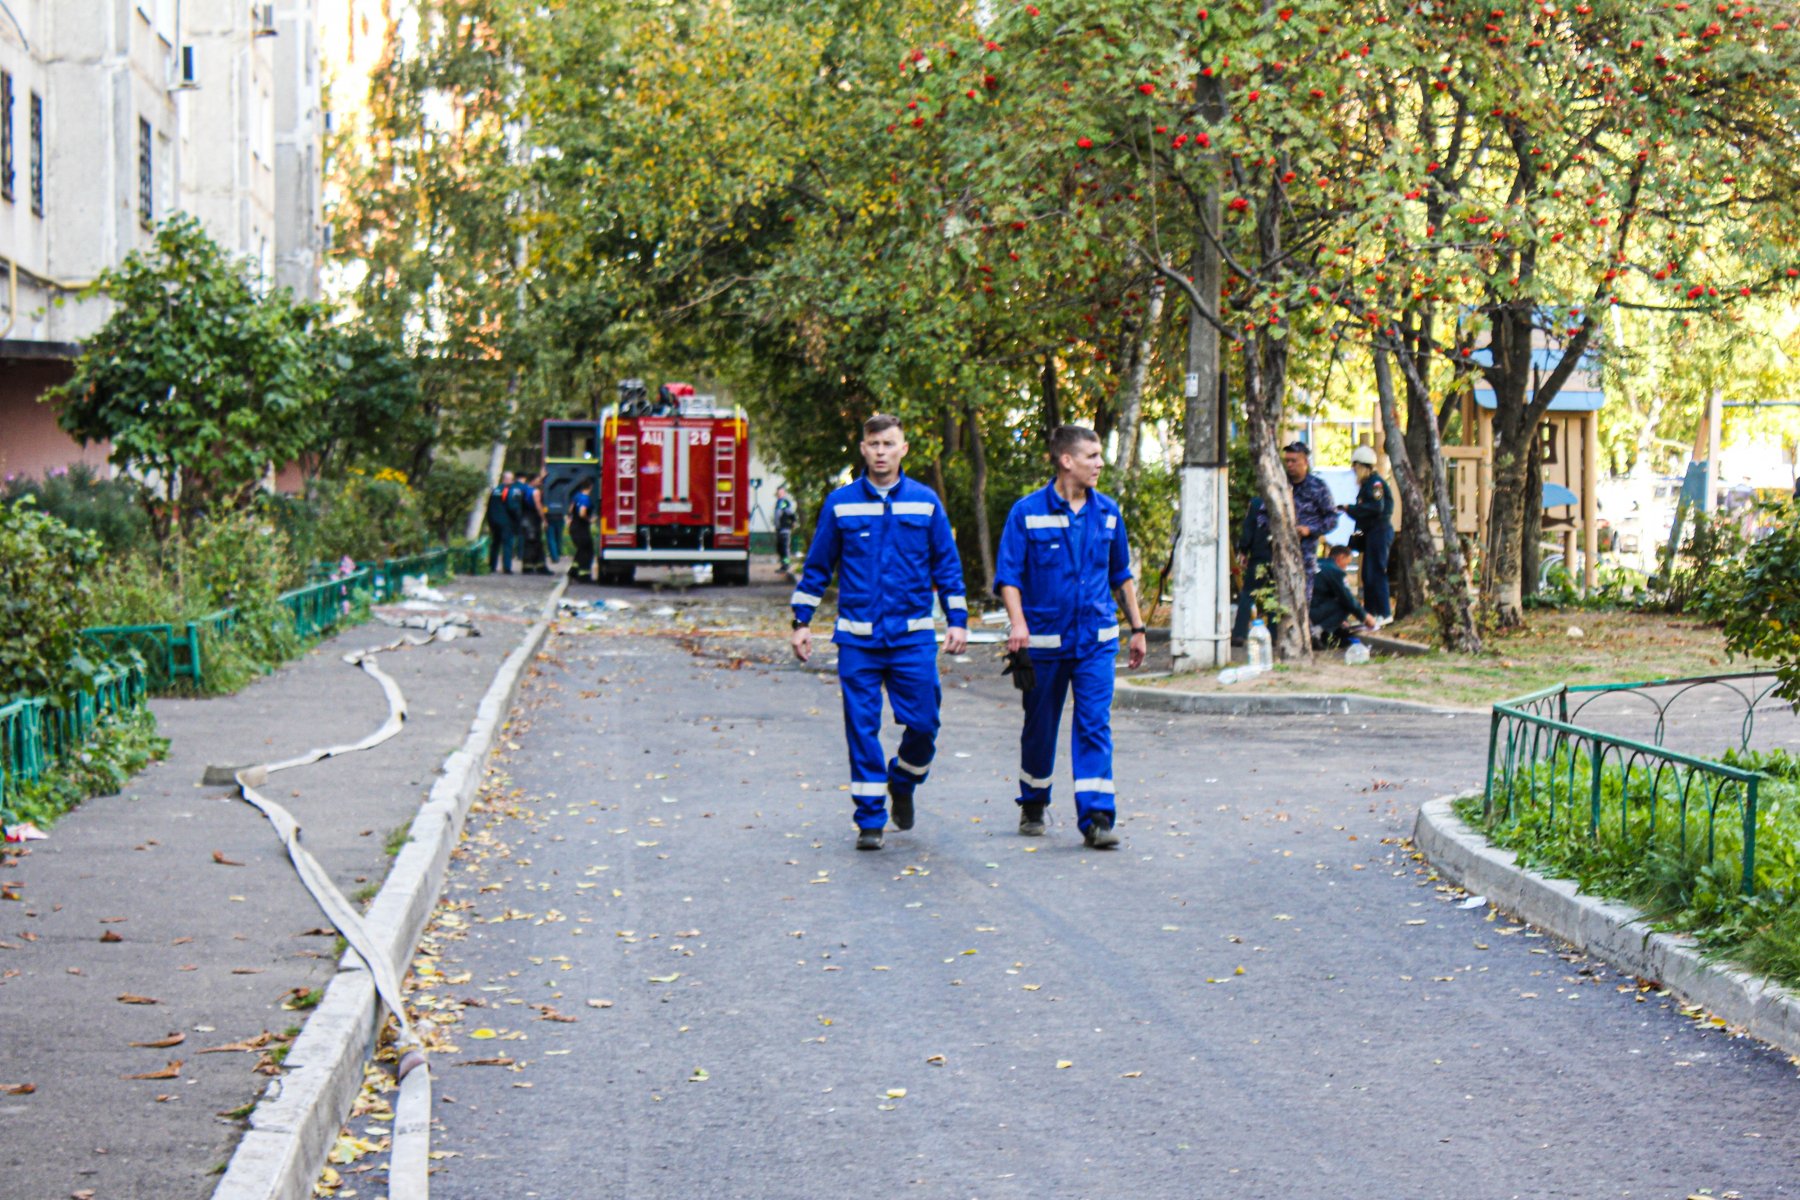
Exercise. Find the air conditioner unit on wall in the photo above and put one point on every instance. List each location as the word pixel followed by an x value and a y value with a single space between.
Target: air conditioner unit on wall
pixel 186 74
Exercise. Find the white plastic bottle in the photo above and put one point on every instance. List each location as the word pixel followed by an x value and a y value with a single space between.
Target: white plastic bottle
pixel 1355 654
pixel 1259 650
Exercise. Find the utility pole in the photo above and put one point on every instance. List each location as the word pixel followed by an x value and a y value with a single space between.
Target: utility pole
pixel 1200 620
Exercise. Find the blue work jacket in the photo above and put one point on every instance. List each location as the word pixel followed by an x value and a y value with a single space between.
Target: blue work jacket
pixel 1068 601
pixel 889 555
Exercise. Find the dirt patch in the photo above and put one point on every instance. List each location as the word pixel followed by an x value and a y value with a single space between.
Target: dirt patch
pixel 1555 647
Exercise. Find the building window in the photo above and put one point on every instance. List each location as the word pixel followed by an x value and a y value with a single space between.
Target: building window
pixel 146 189
pixel 37 154
pixel 6 142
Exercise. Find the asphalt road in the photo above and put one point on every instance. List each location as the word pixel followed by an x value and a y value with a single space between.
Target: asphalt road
pixel 1260 994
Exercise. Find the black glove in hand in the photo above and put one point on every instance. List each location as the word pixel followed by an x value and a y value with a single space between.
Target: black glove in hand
pixel 1018 665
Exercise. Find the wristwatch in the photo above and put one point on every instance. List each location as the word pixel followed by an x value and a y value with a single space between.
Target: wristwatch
pixel 799 624
pixel 1137 629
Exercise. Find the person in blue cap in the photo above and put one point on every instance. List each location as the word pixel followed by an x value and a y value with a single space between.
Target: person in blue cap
pixel 1063 553
pixel 887 539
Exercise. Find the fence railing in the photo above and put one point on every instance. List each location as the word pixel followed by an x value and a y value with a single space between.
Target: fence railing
pixel 1544 765
pixel 173 652
pixel 35 734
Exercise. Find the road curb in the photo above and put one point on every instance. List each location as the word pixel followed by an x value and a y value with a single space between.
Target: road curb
pixel 296 1120
pixel 1128 694
pixel 1606 929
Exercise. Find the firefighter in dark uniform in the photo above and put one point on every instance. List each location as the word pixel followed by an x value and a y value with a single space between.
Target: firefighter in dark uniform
pixel 502 525
pixel 1373 513
pixel 581 531
pixel 1332 604
pixel 786 517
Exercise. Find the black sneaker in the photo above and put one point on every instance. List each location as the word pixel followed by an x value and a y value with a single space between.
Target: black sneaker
pixel 1100 834
pixel 1031 820
pixel 900 808
pixel 868 839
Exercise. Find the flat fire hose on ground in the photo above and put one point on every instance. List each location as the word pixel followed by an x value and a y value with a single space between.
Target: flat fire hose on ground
pixel 409 1154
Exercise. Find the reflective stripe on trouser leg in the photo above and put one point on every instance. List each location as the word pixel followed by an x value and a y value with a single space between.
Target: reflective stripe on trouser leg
pixel 859 677
pixel 916 696
pixel 1092 734
pixel 1037 740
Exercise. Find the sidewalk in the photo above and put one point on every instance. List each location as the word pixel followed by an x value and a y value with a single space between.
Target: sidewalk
pixel 211 922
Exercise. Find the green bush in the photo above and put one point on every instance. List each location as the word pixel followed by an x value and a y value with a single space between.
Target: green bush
pixel 46 581
pixel 1758 599
pixel 112 509
pixel 368 518
pixel 446 496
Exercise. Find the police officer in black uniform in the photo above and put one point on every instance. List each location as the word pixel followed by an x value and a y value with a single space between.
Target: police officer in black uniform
pixel 503 527
pixel 1373 513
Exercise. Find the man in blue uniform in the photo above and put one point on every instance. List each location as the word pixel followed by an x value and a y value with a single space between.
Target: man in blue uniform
pixel 1062 555
pixel 1373 513
pixel 888 540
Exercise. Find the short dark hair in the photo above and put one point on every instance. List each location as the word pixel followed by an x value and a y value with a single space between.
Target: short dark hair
pixel 1297 448
pixel 881 423
pixel 1064 439
pixel 1337 550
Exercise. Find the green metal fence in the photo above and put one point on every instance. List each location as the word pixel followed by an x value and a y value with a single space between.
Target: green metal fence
pixel 1544 765
pixel 35 735
pixel 143 659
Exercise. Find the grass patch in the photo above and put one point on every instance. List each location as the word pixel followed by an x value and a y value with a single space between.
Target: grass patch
pixel 1612 647
pixel 397 838
pixel 1651 867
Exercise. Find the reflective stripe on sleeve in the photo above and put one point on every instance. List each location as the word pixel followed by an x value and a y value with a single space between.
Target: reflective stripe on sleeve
pixel 871 789
pixel 1112 522
pixel 806 599
pixel 1109 634
pixel 918 623
pixel 914 508
pixel 956 604
pixel 1047 521
pixel 1044 641
pixel 1103 786
pixel 857 510
pixel 1033 781
pixel 859 628
pixel 909 768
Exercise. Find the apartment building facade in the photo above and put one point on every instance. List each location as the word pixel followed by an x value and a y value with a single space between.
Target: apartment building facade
pixel 114 114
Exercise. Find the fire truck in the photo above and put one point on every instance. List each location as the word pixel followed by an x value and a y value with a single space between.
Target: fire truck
pixel 672 477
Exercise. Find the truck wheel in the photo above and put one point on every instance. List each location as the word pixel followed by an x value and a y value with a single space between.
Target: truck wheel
pixel 616 574
pixel 732 574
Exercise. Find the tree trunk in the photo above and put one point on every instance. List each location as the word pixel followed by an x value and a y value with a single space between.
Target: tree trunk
pixel 1052 402
pixel 1265 378
pixel 984 537
pixel 1130 405
pixel 1439 576
pixel 1530 551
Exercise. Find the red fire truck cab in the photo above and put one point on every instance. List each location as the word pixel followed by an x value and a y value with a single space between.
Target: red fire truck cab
pixel 674 481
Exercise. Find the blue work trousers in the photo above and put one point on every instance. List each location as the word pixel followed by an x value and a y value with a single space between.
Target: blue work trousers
pixel 1090 675
pixel 553 531
pixel 910 675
